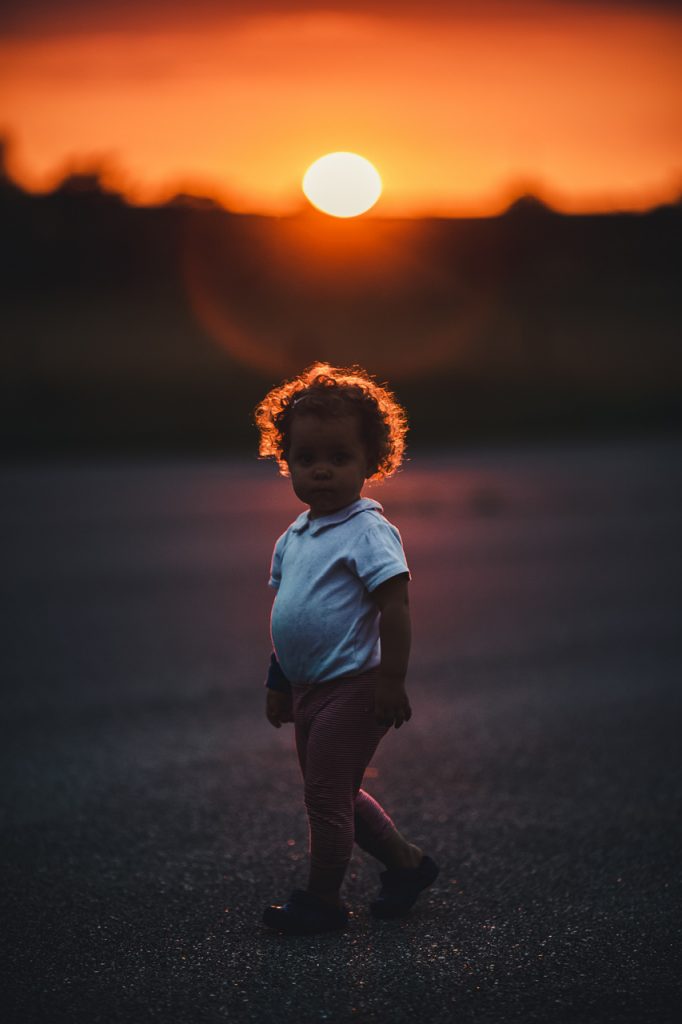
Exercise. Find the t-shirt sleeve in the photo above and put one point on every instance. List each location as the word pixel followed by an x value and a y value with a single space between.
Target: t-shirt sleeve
pixel 378 555
pixel 276 563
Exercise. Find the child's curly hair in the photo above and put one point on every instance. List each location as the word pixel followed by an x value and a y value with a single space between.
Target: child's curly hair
pixel 324 390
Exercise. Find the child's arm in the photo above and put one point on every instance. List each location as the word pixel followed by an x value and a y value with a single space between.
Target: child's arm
pixel 278 704
pixel 278 708
pixel 391 704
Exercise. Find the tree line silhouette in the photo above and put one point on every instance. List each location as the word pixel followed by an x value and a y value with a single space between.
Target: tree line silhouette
pixel 158 328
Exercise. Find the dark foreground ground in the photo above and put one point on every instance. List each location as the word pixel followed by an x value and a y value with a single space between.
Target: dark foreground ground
pixel 151 812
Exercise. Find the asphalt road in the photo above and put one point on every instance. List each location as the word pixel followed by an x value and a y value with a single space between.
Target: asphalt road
pixel 150 812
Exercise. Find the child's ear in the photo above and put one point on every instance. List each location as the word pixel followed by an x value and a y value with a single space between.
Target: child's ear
pixel 371 463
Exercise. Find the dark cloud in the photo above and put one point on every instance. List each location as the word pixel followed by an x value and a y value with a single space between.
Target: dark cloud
pixel 37 17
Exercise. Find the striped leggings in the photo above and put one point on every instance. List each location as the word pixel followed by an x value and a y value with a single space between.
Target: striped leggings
pixel 336 736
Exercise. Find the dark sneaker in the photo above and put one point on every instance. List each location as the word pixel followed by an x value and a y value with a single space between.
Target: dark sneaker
pixel 400 888
pixel 305 914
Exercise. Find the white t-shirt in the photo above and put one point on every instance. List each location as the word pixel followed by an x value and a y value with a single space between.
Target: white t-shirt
pixel 324 623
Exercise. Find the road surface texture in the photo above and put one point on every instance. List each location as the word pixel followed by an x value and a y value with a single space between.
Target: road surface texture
pixel 151 813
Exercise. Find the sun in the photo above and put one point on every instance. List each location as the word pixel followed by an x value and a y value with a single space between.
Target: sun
pixel 342 184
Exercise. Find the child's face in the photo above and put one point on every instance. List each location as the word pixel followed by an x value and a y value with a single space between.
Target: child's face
pixel 327 461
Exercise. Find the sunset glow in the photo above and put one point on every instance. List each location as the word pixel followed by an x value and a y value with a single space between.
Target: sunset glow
pixel 462 109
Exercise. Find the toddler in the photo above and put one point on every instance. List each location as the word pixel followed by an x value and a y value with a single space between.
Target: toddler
pixel 340 632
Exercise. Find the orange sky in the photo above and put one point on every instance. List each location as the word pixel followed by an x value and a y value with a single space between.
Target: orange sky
pixel 459 111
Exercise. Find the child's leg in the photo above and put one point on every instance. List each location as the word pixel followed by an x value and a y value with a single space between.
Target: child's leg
pixel 377 835
pixel 336 735
pixel 372 823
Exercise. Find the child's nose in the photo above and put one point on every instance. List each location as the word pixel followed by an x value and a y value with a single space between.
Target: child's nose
pixel 321 471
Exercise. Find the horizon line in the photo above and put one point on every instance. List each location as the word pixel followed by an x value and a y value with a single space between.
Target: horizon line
pixel 91 183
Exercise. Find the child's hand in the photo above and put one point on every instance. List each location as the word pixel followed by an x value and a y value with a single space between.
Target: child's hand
pixel 391 704
pixel 278 708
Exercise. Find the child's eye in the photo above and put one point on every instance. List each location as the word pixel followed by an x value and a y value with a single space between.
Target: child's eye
pixel 340 458
pixel 305 458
